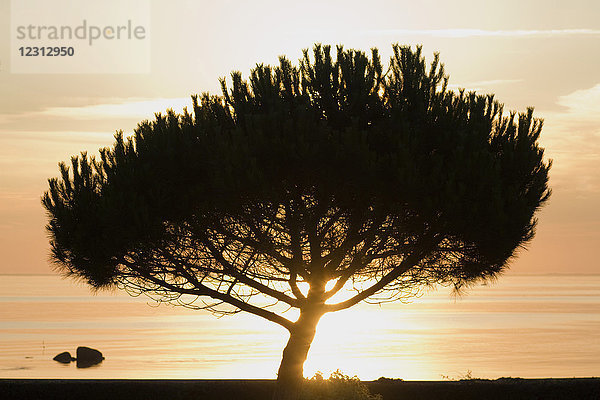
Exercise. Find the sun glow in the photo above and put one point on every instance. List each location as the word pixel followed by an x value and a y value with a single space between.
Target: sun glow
pixel 341 335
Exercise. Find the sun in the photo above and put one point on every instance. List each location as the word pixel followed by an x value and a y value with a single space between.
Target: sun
pixel 344 341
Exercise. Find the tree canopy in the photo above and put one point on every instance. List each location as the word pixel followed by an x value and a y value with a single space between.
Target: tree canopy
pixel 333 171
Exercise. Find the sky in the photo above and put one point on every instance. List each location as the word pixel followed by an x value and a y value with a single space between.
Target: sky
pixel 544 54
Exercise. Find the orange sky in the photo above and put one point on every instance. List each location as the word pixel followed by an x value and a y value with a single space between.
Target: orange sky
pixel 540 53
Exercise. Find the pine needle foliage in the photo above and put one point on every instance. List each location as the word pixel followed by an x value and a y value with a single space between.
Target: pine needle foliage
pixel 334 169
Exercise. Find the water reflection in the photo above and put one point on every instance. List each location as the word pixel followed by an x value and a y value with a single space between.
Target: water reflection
pixel 528 326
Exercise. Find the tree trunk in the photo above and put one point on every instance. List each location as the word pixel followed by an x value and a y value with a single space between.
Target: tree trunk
pixel 290 375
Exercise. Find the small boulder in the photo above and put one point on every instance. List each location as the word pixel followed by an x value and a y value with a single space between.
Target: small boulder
pixel 86 357
pixel 64 357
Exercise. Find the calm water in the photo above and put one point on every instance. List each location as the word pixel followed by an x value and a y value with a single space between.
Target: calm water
pixel 527 326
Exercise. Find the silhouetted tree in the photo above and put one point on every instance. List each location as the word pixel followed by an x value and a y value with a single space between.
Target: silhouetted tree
pixel 332 174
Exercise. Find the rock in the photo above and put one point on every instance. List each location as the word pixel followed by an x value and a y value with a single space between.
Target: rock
pixel 86 357
pixel 64 357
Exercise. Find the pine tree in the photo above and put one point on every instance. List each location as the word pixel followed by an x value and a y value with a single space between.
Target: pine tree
pixel 332 173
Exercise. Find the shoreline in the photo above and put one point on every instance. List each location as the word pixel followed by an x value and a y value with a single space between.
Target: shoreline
pixel 255 389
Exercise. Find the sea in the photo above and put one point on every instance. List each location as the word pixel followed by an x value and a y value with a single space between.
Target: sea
pixel 528 326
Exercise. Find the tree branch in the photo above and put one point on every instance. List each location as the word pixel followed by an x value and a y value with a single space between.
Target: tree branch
pixel 248 281
pixel 294 286
pixel 404 266
pixel 201 290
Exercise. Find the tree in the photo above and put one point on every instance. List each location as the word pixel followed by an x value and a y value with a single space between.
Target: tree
pixel 332 174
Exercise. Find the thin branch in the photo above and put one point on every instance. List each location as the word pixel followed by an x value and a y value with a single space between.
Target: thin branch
pixel 201 290
pixel 404 266
pixel 247 281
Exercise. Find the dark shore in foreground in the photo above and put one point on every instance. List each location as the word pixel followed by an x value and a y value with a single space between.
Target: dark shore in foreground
pixel 504 388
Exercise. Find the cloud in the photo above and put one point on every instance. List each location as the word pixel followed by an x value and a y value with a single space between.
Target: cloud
pixel 585 104
pixel 25 136
pixel 124 113
pixel 130 108
pixel 572 138
pixel 465 33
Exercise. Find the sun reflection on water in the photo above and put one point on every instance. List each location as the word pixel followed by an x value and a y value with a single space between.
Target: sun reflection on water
pixel 540 326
